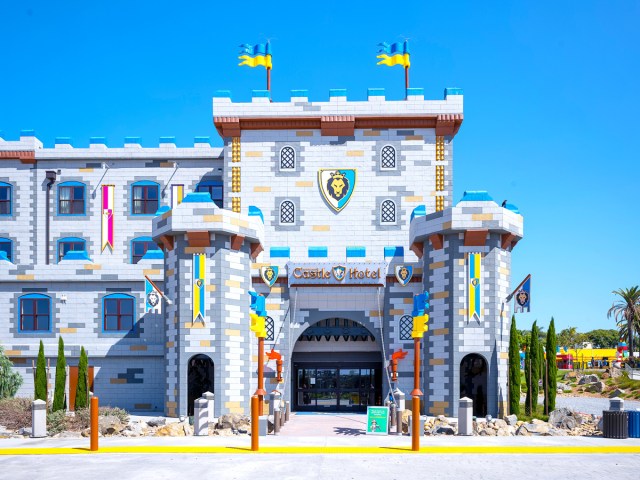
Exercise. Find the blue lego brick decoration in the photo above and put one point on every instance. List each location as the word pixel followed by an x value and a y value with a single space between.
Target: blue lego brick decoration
pixel 197 197
pixel 260 93
pixel 97 141
pixel 280 252
pixel 27 133
pixel 132 140
pixel 415 91
pixel 337 92
pixel 420 304
pixel 163 209
pixel 476 196
pixel 63 141
pixel 393 252
pixel 419 211
pixel 222 94
pixel 153 255
pixel 452 91
pixel 202 140
pixel 512 207
pixel 375 92
pixel 258 304
pixel 256 212
pixel 167 140
pixel 356 252
pixel 76 255
pixel 3 256
pixel 299 93
pixel 318 252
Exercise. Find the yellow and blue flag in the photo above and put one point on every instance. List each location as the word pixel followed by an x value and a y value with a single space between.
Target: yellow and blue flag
pixel 199 277
pixel 255 55
pixel 394 54
pixel 475 287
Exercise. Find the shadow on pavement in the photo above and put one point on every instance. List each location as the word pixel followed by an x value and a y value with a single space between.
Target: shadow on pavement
pixel 348 431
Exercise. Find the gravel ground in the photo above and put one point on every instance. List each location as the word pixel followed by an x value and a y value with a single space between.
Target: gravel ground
pixel 593 405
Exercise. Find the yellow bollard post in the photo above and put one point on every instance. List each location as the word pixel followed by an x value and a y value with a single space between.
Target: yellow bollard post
pixel 93 413
pixel 255 427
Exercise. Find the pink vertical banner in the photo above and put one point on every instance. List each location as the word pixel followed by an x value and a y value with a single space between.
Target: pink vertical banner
pixel 107 216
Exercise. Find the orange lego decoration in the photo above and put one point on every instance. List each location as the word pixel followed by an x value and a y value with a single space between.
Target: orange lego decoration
pixel 273 355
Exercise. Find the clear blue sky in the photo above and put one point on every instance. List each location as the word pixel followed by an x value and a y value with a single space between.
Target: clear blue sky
pixel 551 102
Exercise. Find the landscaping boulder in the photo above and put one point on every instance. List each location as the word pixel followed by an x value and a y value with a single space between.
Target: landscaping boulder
pixel 234 421
pixel 570 376
pixel 110 425
pixel 157 422
pixel 588 379
pixel 171 430
pixel 511 420
pixel 597 387
pixel 618 392
pixel 565 418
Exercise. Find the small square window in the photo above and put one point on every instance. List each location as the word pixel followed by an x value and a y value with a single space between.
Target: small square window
pixel 71 200
pixel 145 199
pixel 118 313
pixel 5 199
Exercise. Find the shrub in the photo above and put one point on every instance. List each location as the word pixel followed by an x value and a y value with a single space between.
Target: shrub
pixel 15 413
pixel 56 422
pixel 41 376
pixel 514 369
pixel 59 398
pixel 10 381
pixel 81 389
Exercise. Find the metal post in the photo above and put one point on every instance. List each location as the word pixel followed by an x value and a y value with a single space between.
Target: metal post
pixel 406 82
pixel 255 433
pixel 416 394
pixel 287 407
pixel 94 424
pixel 260 391
pixel 276 420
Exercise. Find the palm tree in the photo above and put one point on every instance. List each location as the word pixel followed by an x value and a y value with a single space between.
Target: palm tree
pixel 627 313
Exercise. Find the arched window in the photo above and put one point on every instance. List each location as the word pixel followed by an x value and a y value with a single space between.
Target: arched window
pixel 406 326
pixel 6 198
pixel 215 190
pixel 269 326
pixel 388 212
pixel 388 158
pixel 6 248
pixel 145 197
pixel 287 158
pixel 287 213
pixel 71 198
pixel 71 244
pixel 35 313
pixel 140 246
pixel 118 312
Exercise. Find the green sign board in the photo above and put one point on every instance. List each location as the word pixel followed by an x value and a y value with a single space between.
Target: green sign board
pixel 377 420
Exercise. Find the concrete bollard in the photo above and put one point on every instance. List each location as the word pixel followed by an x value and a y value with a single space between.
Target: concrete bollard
pixel 263 426
pixel 465 416
pixel 38 419
pixel 274 400
pixel 287 410
pixel 276 420
pixel 392 414
pixel 399 397
pixel 201 417
pixel 616 404
pixel 210 405
pixel 282 414
pixel 399 422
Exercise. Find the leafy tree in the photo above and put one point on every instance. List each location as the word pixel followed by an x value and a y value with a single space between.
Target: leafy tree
pixel 603 338
pixel 570 338
pixel 59 398
pixel 514 369
pixel 81 388
pixel 41 376
pixel 10 381
pixel 626 313
pixel 552 368
pixel 532 370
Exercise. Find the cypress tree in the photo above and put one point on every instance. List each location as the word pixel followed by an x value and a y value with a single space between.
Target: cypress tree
pixel 532 368
pixel 552 369
pixel 59 398
pixel 41 376
pixel 10 381
pixel 81 388
pixel 514 369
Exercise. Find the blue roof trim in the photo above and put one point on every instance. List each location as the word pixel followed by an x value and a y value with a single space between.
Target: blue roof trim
pixel 197 197
pixel 415 91
pixel 476 196
pixel 63 141
pixel 419 211
pixel 71 183
pixel 97 141
pixel 153 255
pixel 163 209
pixel 3 256
pixel 118 295
pixel 375 92
pixel 338 92
pixel 299 93
pixel 260 93
pixel 222 94
pixel 167 139
pixel 202 140
pixel 318 252
pixel 394 252
pixel 280 252
pixel 132 140
pixel 356 252
pixel 144 183
pixel 256 212
pixel 452 91
pixel 76 255
pixel 27 133
pixel 512 207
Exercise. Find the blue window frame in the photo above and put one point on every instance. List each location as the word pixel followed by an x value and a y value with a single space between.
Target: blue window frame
pixel 118 312
pixel 145 198
pixel 71 198
pixel 214 189
pixel 139 247
pixel 71 244
pixel 35 313
pixel 6 198
pixel 6 246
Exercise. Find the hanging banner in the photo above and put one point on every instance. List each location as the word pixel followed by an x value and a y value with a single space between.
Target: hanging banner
pixel 404 274
pixel 107 216
pixel 270 274
pixel 152 297
pixel 199 267
pixel 522 296
pixel 177 194
pixel 474 286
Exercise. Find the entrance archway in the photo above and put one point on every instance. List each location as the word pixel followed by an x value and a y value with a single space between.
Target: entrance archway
pixel 199 379
pixel 473 382
pixel 336 366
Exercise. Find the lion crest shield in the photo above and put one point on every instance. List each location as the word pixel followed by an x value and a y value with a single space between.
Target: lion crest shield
pixel 339 272
pixel 404 274
pixel 337 186
pixel 269 274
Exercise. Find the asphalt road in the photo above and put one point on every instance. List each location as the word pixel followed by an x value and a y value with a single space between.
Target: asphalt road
pixel 321 467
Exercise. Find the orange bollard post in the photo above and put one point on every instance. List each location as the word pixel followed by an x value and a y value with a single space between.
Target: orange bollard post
pixel 93 412
pixel 415 424
pixel 255 427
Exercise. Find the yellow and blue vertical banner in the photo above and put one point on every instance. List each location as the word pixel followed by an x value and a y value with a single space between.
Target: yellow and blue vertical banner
pixel 177 194
pixel 199 277
pixel 474 286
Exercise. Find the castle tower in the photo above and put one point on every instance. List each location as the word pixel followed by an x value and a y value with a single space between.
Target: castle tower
pixel 466 256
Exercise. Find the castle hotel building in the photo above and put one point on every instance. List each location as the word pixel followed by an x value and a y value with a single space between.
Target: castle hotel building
pixel 337 212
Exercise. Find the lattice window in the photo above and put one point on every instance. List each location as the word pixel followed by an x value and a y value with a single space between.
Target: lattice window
pixel 287 212
pixel 406 326
pixel 287 158
pixel 388 212
pixel 388 157
pixel 269 325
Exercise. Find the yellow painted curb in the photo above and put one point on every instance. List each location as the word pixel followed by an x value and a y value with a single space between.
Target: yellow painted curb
pixel 439 450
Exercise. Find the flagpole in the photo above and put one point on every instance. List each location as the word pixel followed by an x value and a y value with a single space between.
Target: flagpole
pixel 269 81
pixel 406 82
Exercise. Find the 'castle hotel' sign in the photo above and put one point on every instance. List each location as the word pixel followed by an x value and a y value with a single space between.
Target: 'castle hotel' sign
pixel 337 274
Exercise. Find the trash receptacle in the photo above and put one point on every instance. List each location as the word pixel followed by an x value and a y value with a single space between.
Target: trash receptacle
pixel 634 424
pixel 615 424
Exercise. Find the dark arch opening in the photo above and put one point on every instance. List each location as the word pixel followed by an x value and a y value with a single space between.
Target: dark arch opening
pixel 199 379
pixel 473 382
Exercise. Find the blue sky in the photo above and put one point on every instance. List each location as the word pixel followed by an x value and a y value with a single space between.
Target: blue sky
pixel 551 102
